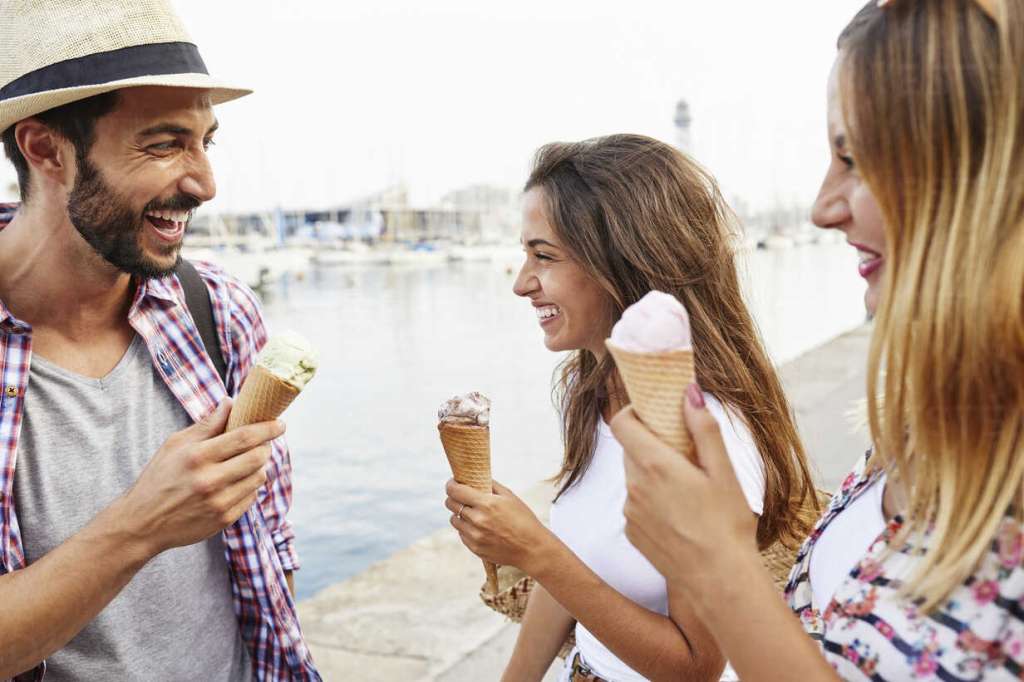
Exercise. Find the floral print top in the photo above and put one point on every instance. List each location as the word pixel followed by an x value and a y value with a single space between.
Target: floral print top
pixel 868 632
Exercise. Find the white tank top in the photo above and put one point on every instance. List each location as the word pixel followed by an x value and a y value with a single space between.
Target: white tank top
pixel 588 518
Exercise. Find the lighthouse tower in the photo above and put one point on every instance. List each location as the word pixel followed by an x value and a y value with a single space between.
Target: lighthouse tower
pixel 684 138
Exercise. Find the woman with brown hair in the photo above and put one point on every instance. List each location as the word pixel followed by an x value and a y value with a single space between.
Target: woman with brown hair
pixel 605 221
pixel 916 570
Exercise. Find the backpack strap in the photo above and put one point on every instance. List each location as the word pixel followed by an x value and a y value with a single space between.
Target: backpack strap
pixel 197 299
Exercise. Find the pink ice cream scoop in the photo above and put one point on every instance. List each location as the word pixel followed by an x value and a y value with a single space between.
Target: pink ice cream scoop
pixel 656 323
pixel 653 352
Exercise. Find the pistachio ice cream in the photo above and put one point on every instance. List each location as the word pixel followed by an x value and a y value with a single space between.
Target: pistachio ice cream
pixel 283 368
pixel 290 358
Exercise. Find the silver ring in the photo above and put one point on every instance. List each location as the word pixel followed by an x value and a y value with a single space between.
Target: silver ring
pixel 459 514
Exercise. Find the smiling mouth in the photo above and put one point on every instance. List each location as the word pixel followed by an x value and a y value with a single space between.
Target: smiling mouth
pixel 547 313
pixel 169 225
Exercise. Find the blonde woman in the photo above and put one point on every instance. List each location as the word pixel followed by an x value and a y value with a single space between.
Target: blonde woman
pixel 604 222
pixel 915 570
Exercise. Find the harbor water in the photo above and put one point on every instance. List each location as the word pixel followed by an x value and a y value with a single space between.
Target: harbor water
pixel 369 472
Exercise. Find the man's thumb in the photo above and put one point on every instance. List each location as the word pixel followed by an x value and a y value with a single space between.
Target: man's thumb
pixel 213 424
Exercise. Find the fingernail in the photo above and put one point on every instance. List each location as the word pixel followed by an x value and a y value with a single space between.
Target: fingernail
pixel 695 396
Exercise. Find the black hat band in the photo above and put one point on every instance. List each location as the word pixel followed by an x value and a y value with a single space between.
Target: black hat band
pixel 155 59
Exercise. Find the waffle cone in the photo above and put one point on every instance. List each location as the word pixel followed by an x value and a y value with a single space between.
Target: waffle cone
pixel 656 384
pixel 468 449
pixel 263 397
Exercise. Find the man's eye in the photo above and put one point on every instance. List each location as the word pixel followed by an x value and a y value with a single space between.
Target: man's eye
pixel 163 146
pixel 542 256
pixel 209 143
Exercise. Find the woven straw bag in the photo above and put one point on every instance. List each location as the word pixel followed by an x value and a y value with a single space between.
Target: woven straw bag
pixel 779 559
pixel 513 594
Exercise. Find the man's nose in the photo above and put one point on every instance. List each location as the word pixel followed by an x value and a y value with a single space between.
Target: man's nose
pixel 198 180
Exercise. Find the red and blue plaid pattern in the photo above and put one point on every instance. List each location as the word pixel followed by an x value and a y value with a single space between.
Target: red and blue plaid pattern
pixel 259 546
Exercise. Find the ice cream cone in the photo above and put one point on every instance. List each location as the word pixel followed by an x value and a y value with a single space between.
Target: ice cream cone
pixel 468 448
pixel 656 384
pixel 263 397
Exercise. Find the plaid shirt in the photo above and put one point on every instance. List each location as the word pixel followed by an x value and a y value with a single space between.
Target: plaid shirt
pixel 258 547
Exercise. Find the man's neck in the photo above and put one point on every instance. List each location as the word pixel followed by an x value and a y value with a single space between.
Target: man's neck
pixel 49 276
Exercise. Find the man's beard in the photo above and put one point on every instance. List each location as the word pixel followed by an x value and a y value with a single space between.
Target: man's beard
pixel 108 224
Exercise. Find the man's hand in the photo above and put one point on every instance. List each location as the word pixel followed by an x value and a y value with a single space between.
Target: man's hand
pixel 200 481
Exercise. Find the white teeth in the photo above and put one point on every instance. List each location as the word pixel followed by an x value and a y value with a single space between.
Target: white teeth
pixel 547 311
pixel 173 216
pixel 866 256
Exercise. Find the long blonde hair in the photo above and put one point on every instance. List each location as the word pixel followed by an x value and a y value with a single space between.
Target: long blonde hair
pixel 933 96
pixel 638 215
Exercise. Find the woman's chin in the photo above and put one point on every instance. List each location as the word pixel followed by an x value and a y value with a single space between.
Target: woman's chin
pixel 871 301
pixel 556 344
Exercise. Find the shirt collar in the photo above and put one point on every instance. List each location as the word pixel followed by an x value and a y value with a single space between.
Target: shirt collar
pixel 158 291
pixel 6 319
pixel 152 295
pixel 10 323
pixel 161 289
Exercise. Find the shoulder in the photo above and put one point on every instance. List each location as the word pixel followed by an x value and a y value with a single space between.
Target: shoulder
pixel 742 449
pixel 237 312
pixel 240 302
pixel 980 626
pixel 732 424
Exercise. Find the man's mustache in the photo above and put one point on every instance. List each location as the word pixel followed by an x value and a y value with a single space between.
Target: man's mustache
pixel 181 202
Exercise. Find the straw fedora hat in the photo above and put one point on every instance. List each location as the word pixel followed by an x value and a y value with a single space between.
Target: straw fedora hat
pixel 53 52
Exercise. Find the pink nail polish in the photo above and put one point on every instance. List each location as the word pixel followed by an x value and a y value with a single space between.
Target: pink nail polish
pixel 695 396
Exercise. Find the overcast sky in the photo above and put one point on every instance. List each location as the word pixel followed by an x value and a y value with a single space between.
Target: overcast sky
pixel 355 95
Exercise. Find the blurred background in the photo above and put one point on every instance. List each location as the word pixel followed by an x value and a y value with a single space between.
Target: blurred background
pixel 369 191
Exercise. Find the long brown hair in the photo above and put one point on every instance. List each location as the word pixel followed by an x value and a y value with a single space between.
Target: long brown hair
pixel 638 215
pixel 933 96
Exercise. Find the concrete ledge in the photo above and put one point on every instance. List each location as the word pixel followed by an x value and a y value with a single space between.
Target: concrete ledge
pixel 413 616
pixel 826 388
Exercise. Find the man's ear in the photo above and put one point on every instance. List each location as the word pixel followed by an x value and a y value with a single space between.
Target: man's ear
pixel 49 155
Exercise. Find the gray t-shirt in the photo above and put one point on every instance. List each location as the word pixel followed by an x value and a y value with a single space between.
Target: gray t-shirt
pixel 83 443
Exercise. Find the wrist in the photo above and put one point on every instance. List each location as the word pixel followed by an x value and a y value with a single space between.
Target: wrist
pixel 128 531
pixel 544 556
pixel 724 579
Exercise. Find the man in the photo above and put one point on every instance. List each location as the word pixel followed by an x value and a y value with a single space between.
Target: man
pixel 138 541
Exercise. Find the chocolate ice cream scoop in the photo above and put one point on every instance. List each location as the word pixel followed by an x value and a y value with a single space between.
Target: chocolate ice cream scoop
pixel 471 409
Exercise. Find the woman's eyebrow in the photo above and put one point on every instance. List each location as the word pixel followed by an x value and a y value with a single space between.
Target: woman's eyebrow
pixel 533 243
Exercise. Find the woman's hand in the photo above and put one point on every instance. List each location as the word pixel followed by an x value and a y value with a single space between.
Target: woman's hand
pixel 497 527
pixel 687 519
pixel 693 523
